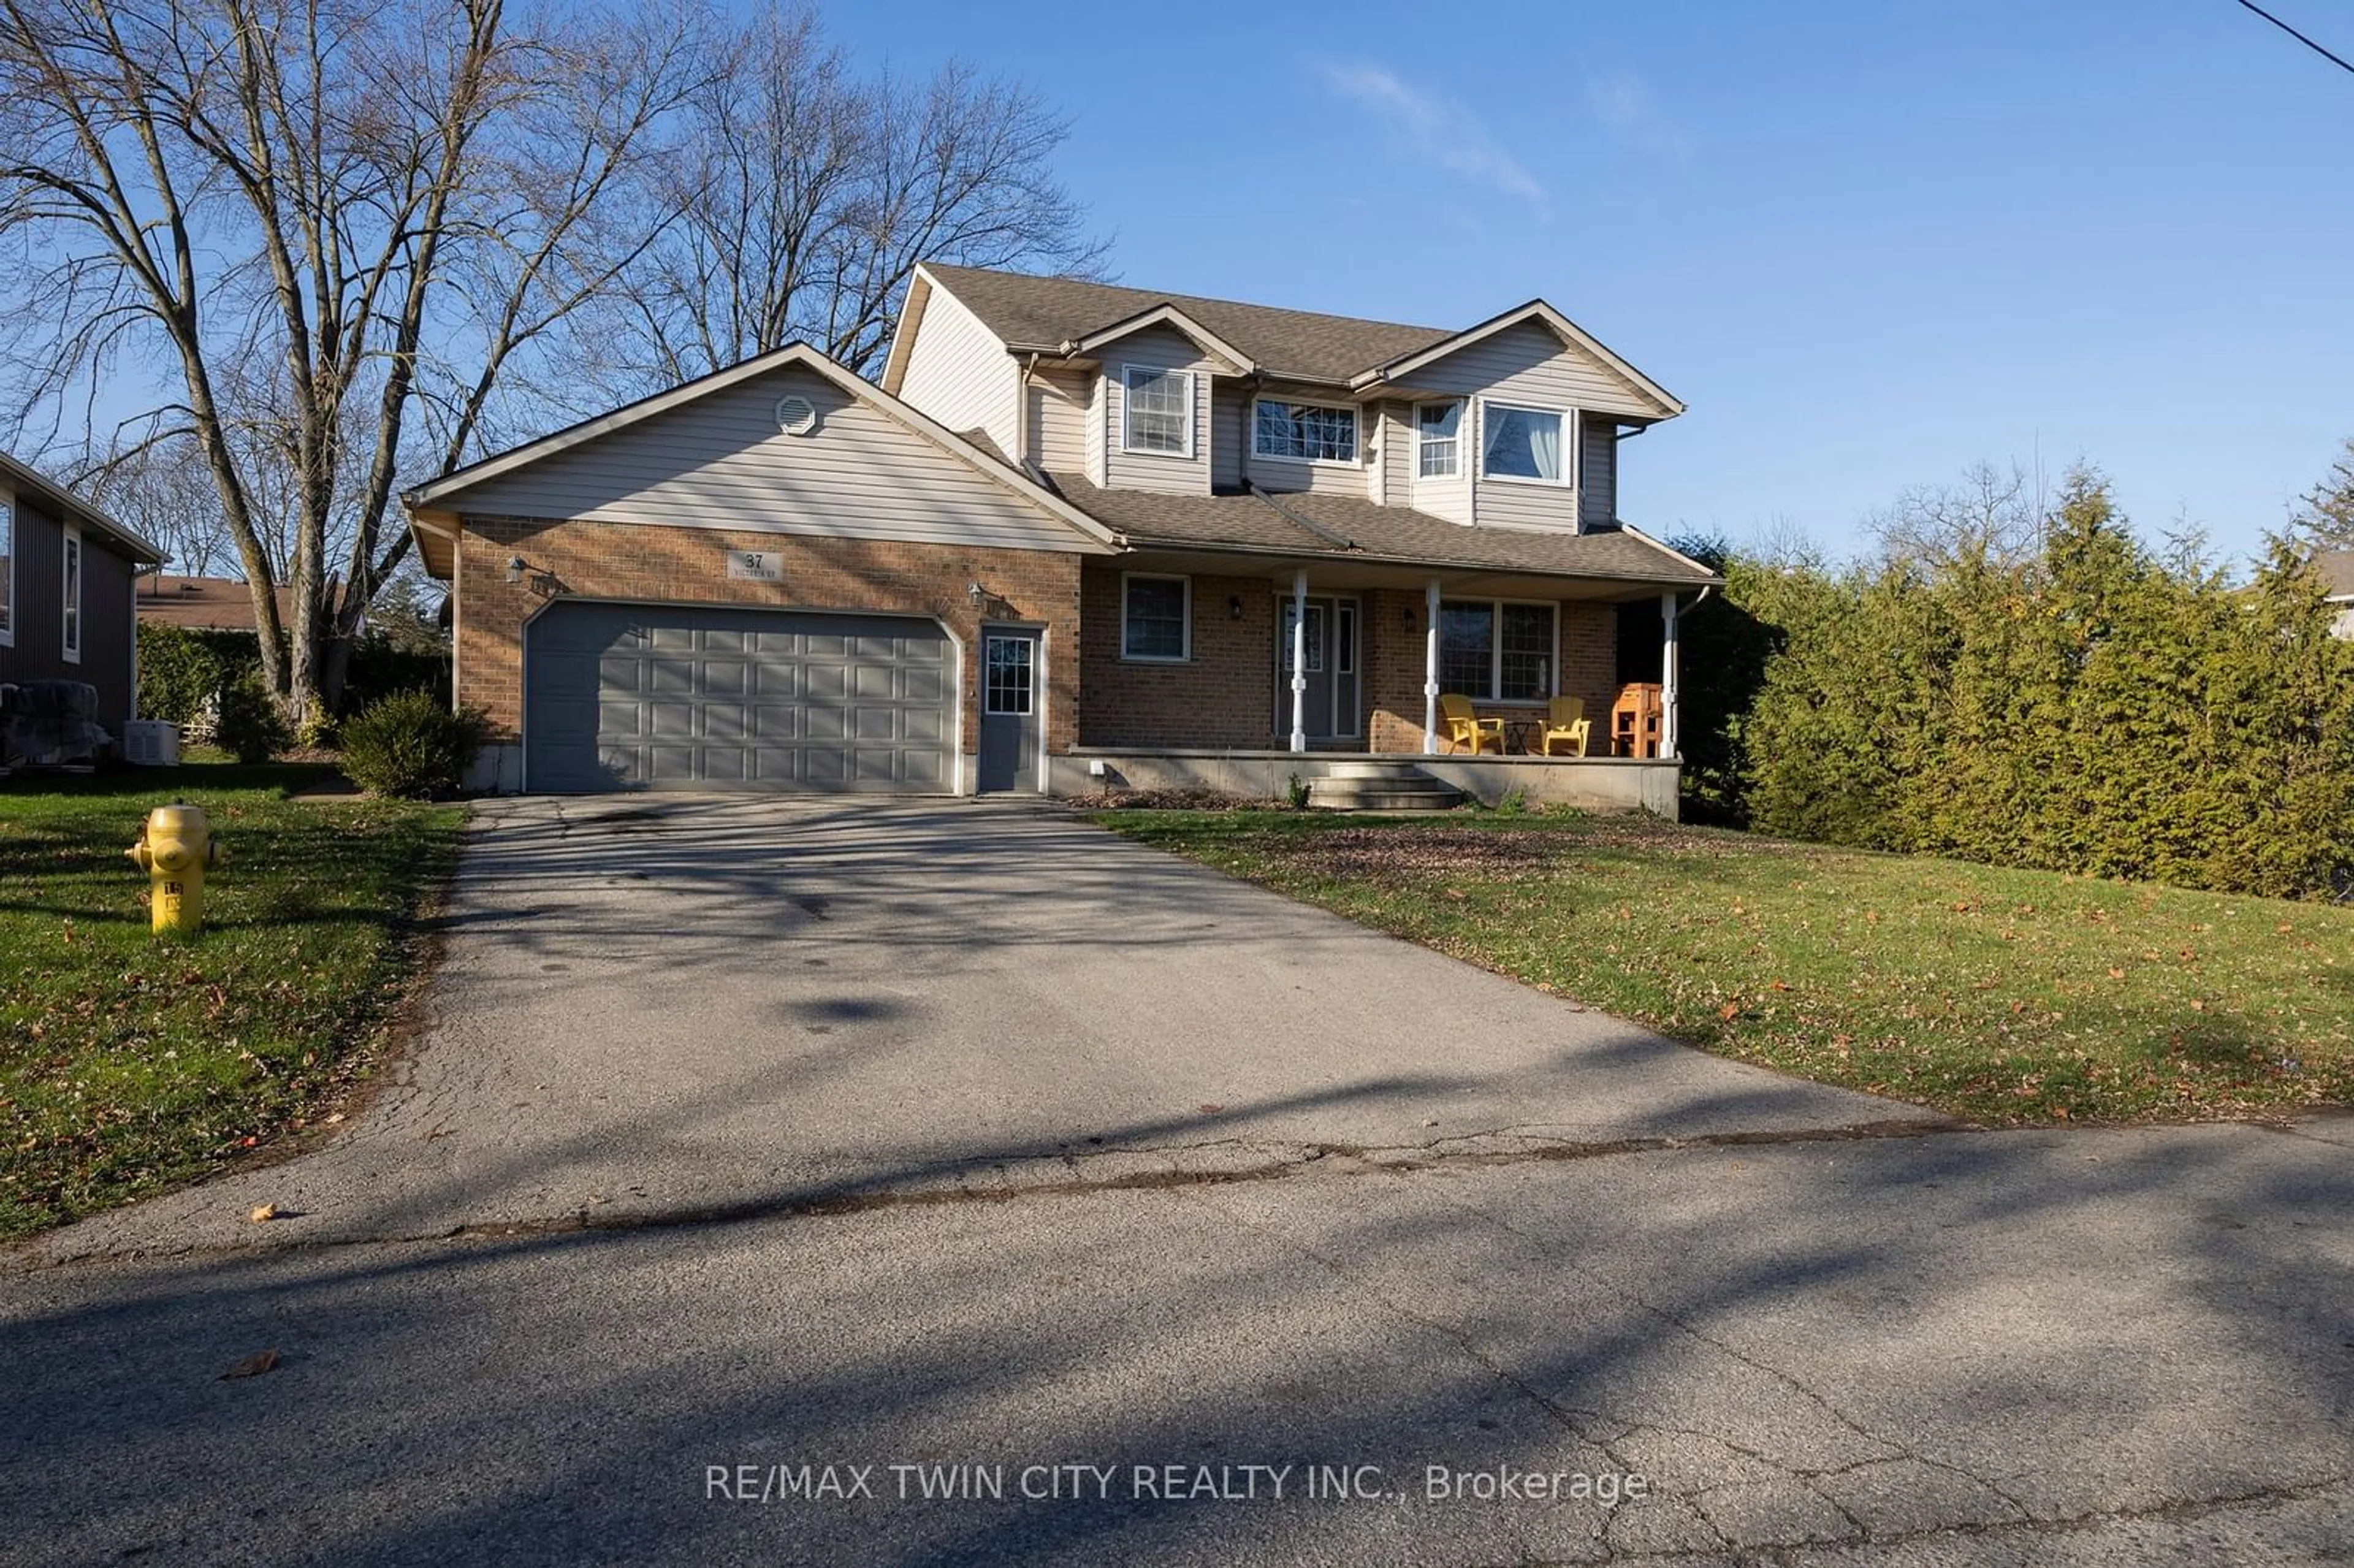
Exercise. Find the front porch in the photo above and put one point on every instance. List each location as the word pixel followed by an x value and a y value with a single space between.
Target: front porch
pixel 1588 783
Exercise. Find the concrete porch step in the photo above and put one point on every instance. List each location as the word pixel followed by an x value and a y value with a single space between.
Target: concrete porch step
pixel 1381 787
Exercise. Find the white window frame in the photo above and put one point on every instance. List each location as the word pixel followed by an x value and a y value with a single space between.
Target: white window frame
pixel 1455 471
pixel 73 570
pixel 1128 374
pixel 1356 434
pixel 1496 650
pixel 1185 629
pixel 8 580
pixel 1569 441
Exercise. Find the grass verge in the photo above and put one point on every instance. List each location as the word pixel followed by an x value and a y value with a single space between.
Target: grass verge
pixel 128 1062
pixel 2004 997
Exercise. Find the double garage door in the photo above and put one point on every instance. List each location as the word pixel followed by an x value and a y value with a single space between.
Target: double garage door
pixel 665 696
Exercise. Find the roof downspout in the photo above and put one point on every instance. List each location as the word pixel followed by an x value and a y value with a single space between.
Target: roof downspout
pixel 1024 370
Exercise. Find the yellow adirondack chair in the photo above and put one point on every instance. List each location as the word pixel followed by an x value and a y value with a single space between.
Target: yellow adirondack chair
pixel 1567 726
pixel 1464 727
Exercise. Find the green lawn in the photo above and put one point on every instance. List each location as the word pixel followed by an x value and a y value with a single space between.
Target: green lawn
pixel 127 1062
pixel 2001 996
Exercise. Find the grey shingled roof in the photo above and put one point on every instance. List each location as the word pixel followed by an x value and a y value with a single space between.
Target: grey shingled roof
pixel 1042 313
pixel 2337 568
pixel 1347 527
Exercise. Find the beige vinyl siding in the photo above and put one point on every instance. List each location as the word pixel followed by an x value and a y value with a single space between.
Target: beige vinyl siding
pixel 1229 428
pixel 959 371
pixel 1057 402
pixel 1157 348
pixel 721 462
pixel 1288 474
pixel 1449 498
pixel 1597 474
pixel 1526 365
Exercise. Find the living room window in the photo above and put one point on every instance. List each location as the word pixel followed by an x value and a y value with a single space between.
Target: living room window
pixel 1156 618
pixel 1439 439
pixel 1496 650
pixel 1304 432
pixel 1524 444
pixel 1159 416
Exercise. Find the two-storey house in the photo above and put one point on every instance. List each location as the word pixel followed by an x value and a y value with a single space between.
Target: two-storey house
pixel 1078 531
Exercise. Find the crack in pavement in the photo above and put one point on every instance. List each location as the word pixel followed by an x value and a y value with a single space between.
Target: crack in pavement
pixel 1337 1159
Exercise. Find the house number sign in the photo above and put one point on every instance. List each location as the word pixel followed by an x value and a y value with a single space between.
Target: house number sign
pixel 755 565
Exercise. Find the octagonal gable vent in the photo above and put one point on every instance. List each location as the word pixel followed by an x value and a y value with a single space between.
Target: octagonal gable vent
pixel 796 416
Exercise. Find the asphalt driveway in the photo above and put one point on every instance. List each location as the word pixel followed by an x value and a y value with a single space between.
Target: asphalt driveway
pixel 725 1005
pixel 896 1108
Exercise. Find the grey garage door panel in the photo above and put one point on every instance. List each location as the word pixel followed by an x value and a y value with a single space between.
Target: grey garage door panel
pixel 665 696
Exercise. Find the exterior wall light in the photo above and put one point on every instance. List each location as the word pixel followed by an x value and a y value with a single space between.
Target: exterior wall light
pixel 514 568
pixel 1234 608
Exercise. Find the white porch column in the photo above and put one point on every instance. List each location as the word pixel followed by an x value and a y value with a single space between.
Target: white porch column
pixel 1670 677
pixel 1299 661
pixel 1430 668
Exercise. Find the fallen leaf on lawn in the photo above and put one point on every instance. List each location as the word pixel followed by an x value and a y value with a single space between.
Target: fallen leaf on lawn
pixel 1729 1012
pixel 2197 1005
pixel 331 1120
pixel 2116 974
pixel 1781 985
pixel 253 1366
pixel 264 1215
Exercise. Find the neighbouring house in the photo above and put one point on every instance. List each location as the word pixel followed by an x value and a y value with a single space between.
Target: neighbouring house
pixel 1080 533
pixel 66 575
pixel 2337 568
pixel 205 604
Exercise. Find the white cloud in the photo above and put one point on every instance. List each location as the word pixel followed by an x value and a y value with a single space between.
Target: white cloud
pixel 1624 106
pixel 1440 133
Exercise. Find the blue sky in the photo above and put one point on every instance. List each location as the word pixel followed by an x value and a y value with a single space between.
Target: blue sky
pixel 1868 244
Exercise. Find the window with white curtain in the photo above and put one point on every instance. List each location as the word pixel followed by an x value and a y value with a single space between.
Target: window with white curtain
pixel 1524 443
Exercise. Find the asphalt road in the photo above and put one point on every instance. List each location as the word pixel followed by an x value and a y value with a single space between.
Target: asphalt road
pixel 1246 1335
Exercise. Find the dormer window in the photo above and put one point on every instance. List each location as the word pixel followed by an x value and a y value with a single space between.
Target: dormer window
pixel 1438 440
pixel 1159 416
pixel 1304 432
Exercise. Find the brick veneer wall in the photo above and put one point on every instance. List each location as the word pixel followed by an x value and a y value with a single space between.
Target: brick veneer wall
pixel 1222 697
pixel 688 565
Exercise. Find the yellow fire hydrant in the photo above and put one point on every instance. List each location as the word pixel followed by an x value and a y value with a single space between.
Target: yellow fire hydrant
pixel 175 849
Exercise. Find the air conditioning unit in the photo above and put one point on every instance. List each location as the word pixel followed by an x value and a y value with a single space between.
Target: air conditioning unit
pixel 151 743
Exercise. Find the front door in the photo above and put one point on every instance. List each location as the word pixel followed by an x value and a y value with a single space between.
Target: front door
pixel 1332 709
pixel 1010 704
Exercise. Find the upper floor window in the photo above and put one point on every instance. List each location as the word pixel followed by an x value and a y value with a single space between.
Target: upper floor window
pixel 1437 441
pixel 1159 416
pixel 1524 443
pixel 1155 619
pixel 72 596
pixel 7 570
pixel 1305 432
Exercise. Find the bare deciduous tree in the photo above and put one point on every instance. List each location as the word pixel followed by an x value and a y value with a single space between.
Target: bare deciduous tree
pixel 806 196
pixel 319 217
pixel 1991 519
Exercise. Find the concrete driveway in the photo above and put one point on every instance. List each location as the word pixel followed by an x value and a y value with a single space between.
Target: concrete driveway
pixel 701 1006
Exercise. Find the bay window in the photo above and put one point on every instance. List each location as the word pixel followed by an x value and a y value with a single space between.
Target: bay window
pixel 1496 650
